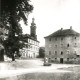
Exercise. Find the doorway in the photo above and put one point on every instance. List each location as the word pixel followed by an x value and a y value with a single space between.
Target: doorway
pixel 61 60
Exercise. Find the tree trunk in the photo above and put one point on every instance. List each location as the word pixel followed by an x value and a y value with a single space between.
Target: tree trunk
pixel 2 55
pixel 13 58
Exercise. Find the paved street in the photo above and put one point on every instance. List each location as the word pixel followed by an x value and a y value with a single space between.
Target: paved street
pixel 30 66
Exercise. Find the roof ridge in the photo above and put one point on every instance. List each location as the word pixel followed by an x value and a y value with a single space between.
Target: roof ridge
pixel 64 32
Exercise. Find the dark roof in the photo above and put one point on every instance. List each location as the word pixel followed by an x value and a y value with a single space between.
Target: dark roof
pixel 65 32
pixel 26 36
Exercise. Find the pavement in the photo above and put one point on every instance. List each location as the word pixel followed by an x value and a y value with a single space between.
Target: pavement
pixel 19 67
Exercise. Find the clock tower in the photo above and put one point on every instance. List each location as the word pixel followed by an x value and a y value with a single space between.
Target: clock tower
pixel 33 29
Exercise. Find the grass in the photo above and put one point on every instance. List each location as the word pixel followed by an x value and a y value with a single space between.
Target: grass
pixel 46 76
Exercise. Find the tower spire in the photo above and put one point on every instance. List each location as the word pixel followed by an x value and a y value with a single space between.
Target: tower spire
pixel 33 20
pixel 33 29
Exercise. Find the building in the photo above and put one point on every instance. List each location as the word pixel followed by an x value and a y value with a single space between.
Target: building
pixel 63 46
pixel 31 47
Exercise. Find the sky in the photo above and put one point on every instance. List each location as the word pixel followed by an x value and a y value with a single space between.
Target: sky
pixel 52 15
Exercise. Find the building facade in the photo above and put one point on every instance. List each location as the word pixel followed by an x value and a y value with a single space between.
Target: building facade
pixel 31 47
pixel 63 46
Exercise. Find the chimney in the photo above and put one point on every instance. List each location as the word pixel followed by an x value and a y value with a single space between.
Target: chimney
pixel 70 27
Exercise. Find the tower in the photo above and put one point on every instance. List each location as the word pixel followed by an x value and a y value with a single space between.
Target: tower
pixel 33 29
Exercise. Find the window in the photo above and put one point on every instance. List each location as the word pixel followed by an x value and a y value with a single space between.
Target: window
pixel 61 38
pixel 67 45
pixel 56 38
pixel 56 46
pixel 74 58
pixel 61 45
pixel 67 52
pixel 67 59
pixel 55 52
pixel 55 59
pixel 75 38
pixel 75 45
pixel 61 52
pixel 28 40
pixel 49 52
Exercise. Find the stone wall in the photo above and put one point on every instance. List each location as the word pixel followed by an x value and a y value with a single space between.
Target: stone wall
pixel 67 48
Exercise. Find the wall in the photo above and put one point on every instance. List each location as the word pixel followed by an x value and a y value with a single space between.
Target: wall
pixel 59 45
pixel 32 50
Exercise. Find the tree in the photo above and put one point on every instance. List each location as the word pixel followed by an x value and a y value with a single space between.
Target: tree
pixel 2 34
pixel 12 11
pixel 42 52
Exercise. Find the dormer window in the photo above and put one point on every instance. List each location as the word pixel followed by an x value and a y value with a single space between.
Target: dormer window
pixel 49 39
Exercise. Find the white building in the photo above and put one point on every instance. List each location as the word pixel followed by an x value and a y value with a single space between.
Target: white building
pixel 31 48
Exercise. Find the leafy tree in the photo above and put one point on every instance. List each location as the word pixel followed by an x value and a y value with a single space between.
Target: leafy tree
pixel 12 11
pixel 2 34
pixel 42 52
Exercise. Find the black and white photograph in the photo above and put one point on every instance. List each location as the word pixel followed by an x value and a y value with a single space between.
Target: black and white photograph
pixel 39 39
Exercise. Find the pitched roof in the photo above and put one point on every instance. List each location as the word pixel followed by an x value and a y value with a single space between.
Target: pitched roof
pixel 26 36
pixel 65 32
